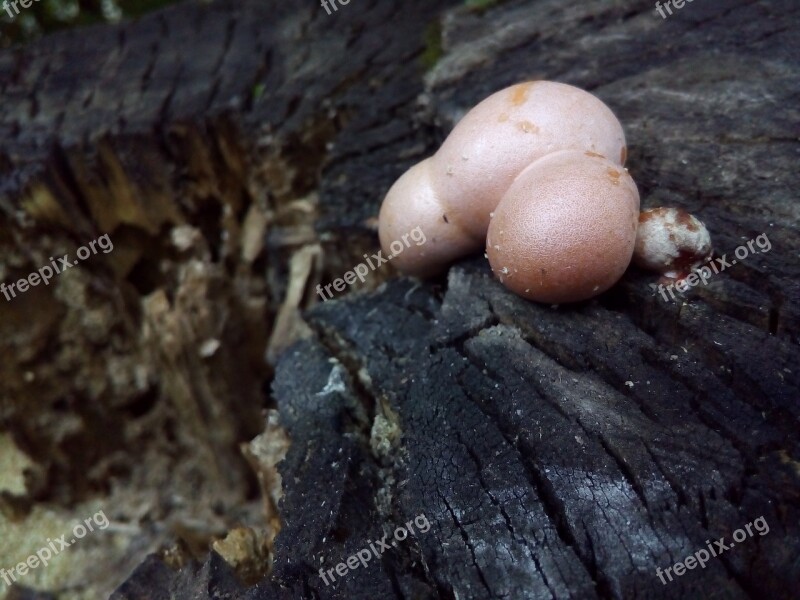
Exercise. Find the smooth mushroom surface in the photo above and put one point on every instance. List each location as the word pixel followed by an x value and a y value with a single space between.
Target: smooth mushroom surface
pixel 412 202
pixel 506 132
pixel 670 241
pixel 453 195
pixel 565 230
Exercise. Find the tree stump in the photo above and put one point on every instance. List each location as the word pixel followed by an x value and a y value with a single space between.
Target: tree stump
pixel 237 153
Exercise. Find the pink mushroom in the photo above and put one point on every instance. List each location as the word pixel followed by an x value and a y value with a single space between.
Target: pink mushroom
pixel 566 229
pixel 412 202
pixel 509 130
pixel 452 195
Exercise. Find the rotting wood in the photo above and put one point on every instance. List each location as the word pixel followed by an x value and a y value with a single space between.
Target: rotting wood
pixel 557 452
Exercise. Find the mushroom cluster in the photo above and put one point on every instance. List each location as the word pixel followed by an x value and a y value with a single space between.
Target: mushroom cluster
pixel 536 173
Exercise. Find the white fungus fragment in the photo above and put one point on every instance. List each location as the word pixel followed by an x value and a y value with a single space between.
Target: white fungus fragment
pixel 670 241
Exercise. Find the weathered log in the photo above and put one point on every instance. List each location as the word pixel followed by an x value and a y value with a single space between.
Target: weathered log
pixel 556 452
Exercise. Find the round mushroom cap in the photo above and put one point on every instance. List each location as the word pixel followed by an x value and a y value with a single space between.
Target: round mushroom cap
pixel 670 241
pixel 412 217
pixel 566 228
pixel 509 130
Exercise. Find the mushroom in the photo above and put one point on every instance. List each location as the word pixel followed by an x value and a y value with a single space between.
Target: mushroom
pixel 509 130
pixel 452 195
pixel 565 230
pixel 670 241
pixel 412 202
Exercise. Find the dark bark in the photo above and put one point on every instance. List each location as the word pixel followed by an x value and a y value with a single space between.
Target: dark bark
pixel 556 452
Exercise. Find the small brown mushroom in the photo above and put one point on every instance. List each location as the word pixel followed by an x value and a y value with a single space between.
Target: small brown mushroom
pixel 670 241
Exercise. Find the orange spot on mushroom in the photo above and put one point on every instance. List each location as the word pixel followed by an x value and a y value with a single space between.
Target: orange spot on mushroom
pixel 623 155
pixel 614 175
pixel 685 219
pixel 528 127
pixel 594 154
pixel 519 94
pixel 652 213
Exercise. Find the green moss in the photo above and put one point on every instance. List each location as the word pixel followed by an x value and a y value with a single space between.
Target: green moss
pixel 480 5
pixel 433 46
pixel 258 91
